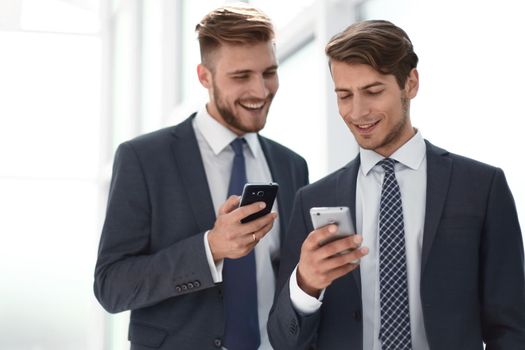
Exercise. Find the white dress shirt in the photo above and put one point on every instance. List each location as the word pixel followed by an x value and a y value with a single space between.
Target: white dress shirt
pixel 217 155
pixel 411 174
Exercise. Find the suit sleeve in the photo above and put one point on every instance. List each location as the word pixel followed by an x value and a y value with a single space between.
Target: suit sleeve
pixel 128 274
pixel 286 328
pixel 502 275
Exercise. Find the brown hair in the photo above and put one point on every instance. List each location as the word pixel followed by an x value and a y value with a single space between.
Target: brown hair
pixel 377 43
pixel 235 25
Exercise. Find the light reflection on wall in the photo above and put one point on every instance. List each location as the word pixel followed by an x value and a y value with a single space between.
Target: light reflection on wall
pixel 469 98
pixel 49 149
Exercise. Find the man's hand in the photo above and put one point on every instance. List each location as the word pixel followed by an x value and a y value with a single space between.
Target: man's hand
pixel 320 265
pixel 231 239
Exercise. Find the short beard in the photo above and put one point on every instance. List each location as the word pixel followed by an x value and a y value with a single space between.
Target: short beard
pixel 398 129
pixel 227 114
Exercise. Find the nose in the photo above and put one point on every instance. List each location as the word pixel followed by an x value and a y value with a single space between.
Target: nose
pixel 359 108
pixel 259 87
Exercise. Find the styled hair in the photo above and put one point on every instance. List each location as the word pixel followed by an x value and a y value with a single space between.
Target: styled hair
pixel 237 24
pixel 377 43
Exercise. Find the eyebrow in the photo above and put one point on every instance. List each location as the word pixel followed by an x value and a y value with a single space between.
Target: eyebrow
pixel 245 71
pixel 376 83
pixel 368 86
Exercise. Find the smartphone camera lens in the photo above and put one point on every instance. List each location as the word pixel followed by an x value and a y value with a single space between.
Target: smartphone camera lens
pixel 260 193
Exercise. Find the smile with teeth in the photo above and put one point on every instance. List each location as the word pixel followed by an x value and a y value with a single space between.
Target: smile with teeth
pixel 366 126
pixel 252 105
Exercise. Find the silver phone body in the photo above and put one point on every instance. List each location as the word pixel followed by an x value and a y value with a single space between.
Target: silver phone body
pixel 322 216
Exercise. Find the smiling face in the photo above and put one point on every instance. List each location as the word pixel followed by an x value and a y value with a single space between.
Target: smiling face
pixel 241 83
pixel 373 106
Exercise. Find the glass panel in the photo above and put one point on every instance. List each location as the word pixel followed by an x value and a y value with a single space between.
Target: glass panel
pixel 282 12
pixel 296 119
pixel 73 16
pixel 49 148
pixel 50 110
pixel 10 11
pixel 152 66
pixel 46 299
pixel 395 11
pixel 125 73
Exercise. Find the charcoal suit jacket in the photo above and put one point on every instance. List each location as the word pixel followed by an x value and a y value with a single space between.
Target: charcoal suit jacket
pixel 152 258
pixel 472 285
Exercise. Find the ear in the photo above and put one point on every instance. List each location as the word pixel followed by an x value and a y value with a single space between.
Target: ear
pixel 205 76
pixel 412 83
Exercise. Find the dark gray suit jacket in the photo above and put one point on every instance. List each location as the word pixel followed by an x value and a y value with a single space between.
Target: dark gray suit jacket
pixel 472 273
pixel 152 259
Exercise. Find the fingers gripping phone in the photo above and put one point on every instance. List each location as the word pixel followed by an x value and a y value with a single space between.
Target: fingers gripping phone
pixel 259 192
pixel 322 216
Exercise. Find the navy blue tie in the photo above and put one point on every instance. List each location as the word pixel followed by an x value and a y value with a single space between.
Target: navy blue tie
pixel 239 278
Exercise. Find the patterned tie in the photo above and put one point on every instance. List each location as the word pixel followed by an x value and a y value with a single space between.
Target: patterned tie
pixel 240 281
pixel 395 318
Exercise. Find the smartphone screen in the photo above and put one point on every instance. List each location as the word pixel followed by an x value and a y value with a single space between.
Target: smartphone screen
pixel 259 192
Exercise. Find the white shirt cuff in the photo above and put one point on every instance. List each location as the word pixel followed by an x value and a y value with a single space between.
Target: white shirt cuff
pixel 215 268
pixel 303 303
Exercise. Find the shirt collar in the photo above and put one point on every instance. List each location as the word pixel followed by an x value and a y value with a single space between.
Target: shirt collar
pixel 219 137
pixel 411 154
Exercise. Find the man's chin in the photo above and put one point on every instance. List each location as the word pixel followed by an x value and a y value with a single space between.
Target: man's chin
pixel 252 123
pixel 251 128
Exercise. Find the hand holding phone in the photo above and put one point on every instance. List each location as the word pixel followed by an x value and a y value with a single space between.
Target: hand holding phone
pixel 340 216
pixel 259 192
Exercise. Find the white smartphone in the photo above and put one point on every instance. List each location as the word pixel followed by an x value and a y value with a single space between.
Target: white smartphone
pixel 322 216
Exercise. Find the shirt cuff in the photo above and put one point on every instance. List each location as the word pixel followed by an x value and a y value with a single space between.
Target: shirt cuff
pixel 215 268
pixel 303 303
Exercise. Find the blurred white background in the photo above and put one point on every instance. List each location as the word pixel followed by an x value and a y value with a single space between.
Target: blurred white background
pixel 77 77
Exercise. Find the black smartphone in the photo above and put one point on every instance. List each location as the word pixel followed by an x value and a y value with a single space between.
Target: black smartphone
pixel 259 192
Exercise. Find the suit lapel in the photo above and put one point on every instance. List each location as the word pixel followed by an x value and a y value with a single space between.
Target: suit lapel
pixel 438 177
pixel 281 175
pixel 347 184
pixel 192 173
pixel 346 194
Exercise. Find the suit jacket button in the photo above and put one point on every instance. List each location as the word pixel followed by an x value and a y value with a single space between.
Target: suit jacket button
pixel 178 289
pixel 184 287
pixel 197 284
pixel 190 285
pixel 217 342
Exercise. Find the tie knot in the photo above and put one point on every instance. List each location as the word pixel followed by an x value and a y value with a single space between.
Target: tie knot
pixel 237 145
pixel 388 164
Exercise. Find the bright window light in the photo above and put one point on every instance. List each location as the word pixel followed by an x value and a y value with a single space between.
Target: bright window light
pixel 73 16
